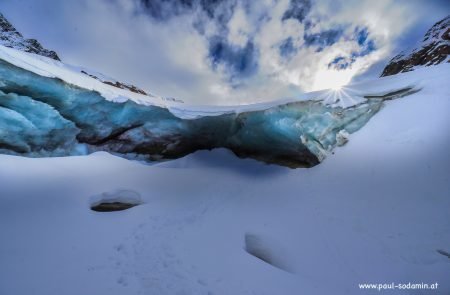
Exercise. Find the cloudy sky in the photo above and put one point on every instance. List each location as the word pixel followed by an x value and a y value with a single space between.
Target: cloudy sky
pixel 227 51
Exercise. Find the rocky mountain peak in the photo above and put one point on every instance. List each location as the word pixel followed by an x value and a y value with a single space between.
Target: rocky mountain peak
pixel 434 49
pixel 12 38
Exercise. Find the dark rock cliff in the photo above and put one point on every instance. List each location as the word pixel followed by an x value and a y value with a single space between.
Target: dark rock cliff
pixel 434 49
pixel 10 37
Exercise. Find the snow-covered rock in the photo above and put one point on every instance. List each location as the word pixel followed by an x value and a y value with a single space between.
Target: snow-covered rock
pixel 434 49
pixel 12 38
pixel 114 83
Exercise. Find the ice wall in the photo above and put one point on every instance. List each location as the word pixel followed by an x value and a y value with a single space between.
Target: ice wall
pixel 41 116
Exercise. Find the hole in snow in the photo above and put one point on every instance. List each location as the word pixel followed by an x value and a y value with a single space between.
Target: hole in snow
pixel 115 201
pixel 110 207
pixel 442 252
pixel 395 94
pixel 268 250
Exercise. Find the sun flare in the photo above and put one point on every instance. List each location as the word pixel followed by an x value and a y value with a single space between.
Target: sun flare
pixel 332 79
pixel 337 87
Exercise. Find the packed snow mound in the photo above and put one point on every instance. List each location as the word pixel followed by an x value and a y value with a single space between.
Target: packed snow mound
pixel 12 38
pixel 434 49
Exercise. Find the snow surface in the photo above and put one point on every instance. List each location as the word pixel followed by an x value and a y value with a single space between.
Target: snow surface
pixel 376 211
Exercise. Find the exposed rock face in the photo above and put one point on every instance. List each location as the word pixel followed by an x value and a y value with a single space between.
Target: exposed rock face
pixel 434 49
pixel 10 37
pixel 117 84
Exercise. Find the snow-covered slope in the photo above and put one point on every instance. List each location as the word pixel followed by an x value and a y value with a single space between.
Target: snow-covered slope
pixel 377 211
pixel 434 49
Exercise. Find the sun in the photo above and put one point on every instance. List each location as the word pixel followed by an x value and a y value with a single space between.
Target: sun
pixel 337 87
pixel 332 79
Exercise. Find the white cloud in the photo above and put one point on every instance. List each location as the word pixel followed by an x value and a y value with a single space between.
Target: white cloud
pixel 239 27
pixel 171 58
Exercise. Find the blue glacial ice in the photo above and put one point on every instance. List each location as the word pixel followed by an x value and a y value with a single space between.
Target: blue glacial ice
pixel 42 116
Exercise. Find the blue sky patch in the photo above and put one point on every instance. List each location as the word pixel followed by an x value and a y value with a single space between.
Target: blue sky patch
pixel 323 39
pixel 298 9
pixel 240 61
pixel 287 49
